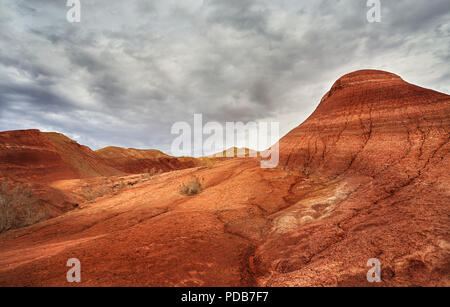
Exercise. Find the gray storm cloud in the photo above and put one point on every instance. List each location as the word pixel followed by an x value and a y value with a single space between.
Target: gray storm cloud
pixel 130 69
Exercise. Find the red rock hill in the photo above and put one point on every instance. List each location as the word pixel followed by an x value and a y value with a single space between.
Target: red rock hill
pixel 370 121
pixel 382 146
pixel 45 157
pixel 136 161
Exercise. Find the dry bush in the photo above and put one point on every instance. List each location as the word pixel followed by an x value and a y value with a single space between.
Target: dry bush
pixel 306 171
pixel 89 193
pixel 122 184
pixel 208 163
pixel 105 190
pixel 18 206
pixel 193 187
pixel 149 174
pixel 109 187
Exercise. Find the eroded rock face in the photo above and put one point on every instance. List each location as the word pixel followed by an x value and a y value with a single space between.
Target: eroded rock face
pixel 44 157
pixel 381 145
pixel 367 123
pixel 136 161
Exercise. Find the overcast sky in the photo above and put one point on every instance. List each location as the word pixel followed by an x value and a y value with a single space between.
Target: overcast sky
pixel 130 69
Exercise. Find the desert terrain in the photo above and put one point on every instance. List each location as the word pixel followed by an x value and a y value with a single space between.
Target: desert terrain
pixel 365 176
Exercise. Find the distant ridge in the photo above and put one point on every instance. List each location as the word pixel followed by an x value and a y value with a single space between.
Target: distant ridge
pixel 48 156
pixel 135 161
pixel 235 152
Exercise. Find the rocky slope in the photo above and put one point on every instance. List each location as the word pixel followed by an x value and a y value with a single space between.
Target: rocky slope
pixel 369 122
pixel 382 146
pixel 45 157
pixel 33 161
pixel 364 177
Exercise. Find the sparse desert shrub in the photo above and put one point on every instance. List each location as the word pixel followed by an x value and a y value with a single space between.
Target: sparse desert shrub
pixel 153 172
pixel 193 187
pixel 18 206
pixel 208 163
pixel 149 173
pixel 122 184
pixel 88 193
pixel 104 190
pixel 306 171
pixel 91 193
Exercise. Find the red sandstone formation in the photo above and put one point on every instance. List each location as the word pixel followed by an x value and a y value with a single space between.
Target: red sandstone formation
pixel 364 177
pixel 382 146
pixel 45 157
pixel 235 152
pixel 368 123
pixel 136 161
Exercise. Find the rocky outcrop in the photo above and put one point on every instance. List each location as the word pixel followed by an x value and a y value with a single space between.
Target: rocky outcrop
pixel 382 147
pixel 44 157
pixel 369 122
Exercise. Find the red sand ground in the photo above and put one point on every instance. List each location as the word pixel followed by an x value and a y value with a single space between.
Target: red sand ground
pixel 364 177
